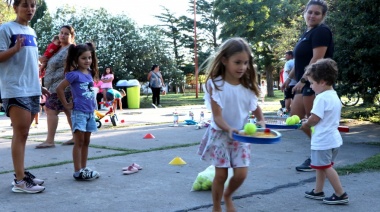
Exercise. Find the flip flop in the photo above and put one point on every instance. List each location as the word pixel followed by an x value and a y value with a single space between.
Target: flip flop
pixel 137 166
pixel 130 170
pixel 44 146
pixel 69 142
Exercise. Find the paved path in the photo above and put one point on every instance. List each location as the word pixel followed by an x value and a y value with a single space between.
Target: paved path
pixel 272 183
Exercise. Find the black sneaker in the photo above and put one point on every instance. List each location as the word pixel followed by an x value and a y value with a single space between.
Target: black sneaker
pixel 86 174
pixel 312 195
pixel 31 176
pixel 335 200
pixel 305 167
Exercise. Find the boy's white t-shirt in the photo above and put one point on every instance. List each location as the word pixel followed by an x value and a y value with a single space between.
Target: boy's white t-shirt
pixel 287 68
pixel 235 100
pixel 19 74
pixel 327 107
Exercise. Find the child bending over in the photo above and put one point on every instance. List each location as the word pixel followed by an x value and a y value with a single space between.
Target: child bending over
pixel 115 96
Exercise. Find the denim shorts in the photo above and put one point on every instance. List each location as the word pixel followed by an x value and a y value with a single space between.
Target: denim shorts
pixel 84 122
pixel 31 104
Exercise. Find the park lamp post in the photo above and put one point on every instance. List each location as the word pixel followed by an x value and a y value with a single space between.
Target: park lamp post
pixel 195 50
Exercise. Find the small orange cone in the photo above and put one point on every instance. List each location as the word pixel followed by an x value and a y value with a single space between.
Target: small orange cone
pixel 177 161
pixel 148 136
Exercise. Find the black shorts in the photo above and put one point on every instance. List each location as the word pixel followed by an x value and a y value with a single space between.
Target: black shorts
pixel 306 90
pixel 288 93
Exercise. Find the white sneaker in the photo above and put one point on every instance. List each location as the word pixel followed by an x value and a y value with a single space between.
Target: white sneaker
pixel 28 186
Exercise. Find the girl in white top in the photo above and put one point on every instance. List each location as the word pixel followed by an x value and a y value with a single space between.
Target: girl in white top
pixel 231 92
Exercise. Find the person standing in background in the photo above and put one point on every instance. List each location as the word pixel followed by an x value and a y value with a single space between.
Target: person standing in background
pixel 263 91
pixel 107 78
pixel 156 82
pixel 315 43
pixel 54 75
pixel 288 93
pixel 99 95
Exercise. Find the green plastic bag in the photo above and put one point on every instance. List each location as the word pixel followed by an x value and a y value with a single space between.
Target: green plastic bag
pixel 203 182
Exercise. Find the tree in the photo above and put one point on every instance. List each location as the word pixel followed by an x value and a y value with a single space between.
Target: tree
pixel 208 23
pixel 41 9
pixel 130 51
pixel 260 22
pixel 176 29
pixel 357 45
pixel 6 13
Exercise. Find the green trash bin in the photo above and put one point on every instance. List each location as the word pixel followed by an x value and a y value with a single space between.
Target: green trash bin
pixel 133 97
pixel 133 94
pixel 132 89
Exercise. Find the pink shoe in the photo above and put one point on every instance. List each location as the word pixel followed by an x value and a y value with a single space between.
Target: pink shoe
pixel 137 166
pixel 130 170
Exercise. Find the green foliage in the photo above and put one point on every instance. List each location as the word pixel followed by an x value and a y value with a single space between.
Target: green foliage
pixel 362 112
pixel 41 9
pixel 6 13
pixel 270 26
pixel 356 28
pixel 129 50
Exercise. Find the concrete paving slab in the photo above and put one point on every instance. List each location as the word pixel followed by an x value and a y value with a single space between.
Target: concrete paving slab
pixel 272 183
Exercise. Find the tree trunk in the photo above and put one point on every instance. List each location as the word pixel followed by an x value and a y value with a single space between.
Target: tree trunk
pixel 269 74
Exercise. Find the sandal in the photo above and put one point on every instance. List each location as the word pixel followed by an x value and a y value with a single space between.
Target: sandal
pixel 69 142
pixel 130 170
pixel 137 166
pixel 45 145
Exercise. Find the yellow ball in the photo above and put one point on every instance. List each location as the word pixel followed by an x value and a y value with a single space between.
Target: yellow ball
pixel 197 187
pixel 296 119
pixel 312 130
pixel 200 179
pixel 205 187
pixel 249 128
pixel 290 121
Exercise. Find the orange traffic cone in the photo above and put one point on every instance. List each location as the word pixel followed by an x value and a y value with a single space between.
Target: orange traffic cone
pixel 148 136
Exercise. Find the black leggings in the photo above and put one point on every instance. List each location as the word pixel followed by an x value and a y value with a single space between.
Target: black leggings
pixel 156 95
pixel 99 97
